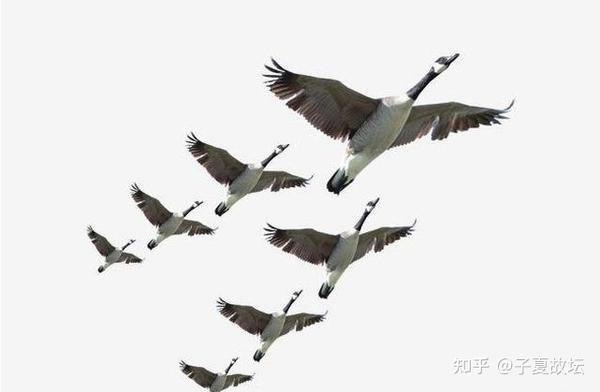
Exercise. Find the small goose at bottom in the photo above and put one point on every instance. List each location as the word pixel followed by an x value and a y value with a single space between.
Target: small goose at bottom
pixel 215 382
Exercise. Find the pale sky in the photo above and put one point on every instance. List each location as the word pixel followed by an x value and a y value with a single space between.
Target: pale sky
pixel 502 264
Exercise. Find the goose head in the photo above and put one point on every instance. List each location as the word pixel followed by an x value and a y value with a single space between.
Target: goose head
pixel 443 63
pixel 295 296
pixel 101 269
pixel 192 207
pixel 278 150
pixel 368 209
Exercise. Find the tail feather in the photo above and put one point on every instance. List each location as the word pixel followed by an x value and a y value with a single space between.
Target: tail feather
pixel 221 209
pixel 325 290
pixel 338 182
pixel 258 355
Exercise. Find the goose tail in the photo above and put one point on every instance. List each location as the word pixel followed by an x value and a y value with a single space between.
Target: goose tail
pixel 338 181
pixel 258 355
pixel 221 209
pixel 325 290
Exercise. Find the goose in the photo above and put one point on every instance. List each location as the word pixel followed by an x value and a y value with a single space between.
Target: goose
pixel 371 126
pixel 216 382
pixel 241 178
pixel 111 254
pixel 168 223
pixel 268 326
pixel 337 252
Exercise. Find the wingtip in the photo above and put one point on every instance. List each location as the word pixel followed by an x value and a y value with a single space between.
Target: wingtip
pixel 134 188
pixel 270 230
pixel 192 138
pixel 510 106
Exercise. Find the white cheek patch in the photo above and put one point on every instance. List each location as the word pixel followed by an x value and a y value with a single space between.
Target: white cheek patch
pixel 439 68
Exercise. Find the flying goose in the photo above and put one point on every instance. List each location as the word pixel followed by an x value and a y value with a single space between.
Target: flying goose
pixel 168 223
pixel 111 254
pixel 268 326
pixel 241 178
pixel 216 382
pixel 370 125
pixel 337 252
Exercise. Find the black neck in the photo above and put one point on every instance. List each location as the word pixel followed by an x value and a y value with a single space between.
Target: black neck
pixel 362 219
pixel 126 245
pixel 414 92
pixel 229 367
pixel 268 159
pixel 189 210
pixel 289 304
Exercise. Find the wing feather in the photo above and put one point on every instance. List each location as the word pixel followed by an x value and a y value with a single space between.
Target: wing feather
pixel 154 211
pixel 218 163
pixel 327 104
pixel 380 238
pixel 443 118
pixel 248 318
pixel 277 180
pixel 307 244
pixel 100 242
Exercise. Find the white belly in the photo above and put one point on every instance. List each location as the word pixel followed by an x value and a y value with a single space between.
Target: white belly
pixel 272 331
pixel 344 250
pixel 377 134
pixel 341 256
pixel 170 226
pixel 219 383
pixel 242 185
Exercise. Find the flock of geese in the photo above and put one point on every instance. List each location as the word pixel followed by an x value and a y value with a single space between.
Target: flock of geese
pixel 369 126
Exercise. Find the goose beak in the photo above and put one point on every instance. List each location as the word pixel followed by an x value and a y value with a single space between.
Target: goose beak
pixel 452 58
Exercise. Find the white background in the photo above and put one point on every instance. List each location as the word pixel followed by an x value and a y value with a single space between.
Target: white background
pixel 503 262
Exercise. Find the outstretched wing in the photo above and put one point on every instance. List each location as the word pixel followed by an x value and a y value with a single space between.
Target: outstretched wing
pixel 327 104
pixel 300 321
pixel 307 244
pixel 442 118
pixel 380 238
pixel 192 227
pixel 248 318
pixel 277 180
pixel 129 258
pixel 200 375
pixel 236 379
pixel 219 163
pixel 155 212
pixel 102 245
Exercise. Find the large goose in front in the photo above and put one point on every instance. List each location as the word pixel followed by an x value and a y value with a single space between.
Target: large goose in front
pixel 336 252
pixel 268 326
pixel 216 382
pixel 370 125
pixel 167 222
pixel 241 178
